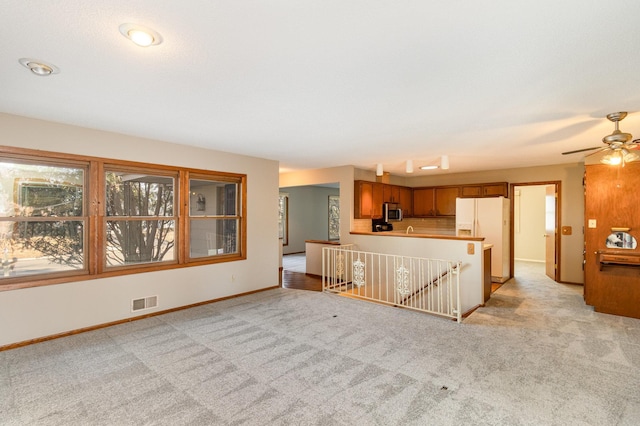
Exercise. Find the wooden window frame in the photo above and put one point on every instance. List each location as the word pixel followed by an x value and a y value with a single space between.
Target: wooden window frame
pixel 94 198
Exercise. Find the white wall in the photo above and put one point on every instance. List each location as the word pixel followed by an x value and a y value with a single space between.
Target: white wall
pixel 341 175
pixel 42 311
pixel 308 215
pixel 528 223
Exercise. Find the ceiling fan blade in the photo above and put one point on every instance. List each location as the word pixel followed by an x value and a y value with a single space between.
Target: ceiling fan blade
pixel 606 148
pixel 581 150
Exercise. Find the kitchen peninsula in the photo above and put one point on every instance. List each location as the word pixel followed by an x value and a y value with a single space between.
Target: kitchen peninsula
pixel 470 251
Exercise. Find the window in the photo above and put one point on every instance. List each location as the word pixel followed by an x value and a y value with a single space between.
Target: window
pixel 214 219
pixel 283 218
pixel 66 217
pixel 42 220
pixel 334 217
pixel 140 219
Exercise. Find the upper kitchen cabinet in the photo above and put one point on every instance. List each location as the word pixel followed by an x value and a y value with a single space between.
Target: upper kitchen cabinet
pixel 423 202
pixel 400 195
pixel 432 202
pixel 497 189
pixel 368 199
pixel 446 200
pixel 390 194
pixel 406 201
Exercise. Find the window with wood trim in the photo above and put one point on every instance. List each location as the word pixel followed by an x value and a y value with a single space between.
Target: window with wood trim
pixel 140 217
pixel 214 216
pixel 65 217
pixel 42 218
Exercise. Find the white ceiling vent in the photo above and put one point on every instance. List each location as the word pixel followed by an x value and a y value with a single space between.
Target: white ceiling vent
pixel 144 303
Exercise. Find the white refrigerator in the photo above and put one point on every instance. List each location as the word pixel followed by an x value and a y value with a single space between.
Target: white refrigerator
pixel 488 218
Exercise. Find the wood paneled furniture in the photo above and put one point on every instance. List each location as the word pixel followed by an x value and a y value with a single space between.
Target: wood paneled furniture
pixel 612 275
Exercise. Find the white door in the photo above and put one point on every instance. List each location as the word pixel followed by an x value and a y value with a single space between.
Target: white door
pixel 550 231
pixel 490 225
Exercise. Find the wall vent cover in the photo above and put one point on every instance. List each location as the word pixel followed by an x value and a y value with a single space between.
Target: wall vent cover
pixel 144 303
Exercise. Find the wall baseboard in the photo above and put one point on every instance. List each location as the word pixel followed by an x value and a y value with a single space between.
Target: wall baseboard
pixel 109 324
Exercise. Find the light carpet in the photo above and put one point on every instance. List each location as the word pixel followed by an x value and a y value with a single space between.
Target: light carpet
pixel 534 355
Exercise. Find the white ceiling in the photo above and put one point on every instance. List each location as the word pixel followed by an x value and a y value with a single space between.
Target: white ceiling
pixel 493 84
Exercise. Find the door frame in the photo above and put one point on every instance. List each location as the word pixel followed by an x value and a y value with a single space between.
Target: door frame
pixel 558 187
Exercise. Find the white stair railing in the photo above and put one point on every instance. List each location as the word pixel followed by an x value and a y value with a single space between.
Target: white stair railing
pixel 427 285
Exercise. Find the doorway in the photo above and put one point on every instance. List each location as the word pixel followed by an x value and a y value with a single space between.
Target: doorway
pixel 535 220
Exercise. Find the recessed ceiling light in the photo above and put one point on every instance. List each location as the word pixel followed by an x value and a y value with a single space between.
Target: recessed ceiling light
pixel 428 167
pixel 38 67
pixel 140 35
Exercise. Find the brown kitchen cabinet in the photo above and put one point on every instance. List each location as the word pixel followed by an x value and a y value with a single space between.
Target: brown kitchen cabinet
pixel 446 200
pixel 368 200
pixel 406 201
pixel 390 194
pixel 369 197
pixel 495 189
pixel 423 202
pixel 437 201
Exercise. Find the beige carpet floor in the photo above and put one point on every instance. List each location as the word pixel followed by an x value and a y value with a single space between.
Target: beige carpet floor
pixel 535 355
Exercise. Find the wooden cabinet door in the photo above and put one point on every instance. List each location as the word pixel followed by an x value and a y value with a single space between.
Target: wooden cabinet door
pixel 471 191
pixel 496 190
pixel 377 199
pixel 406 201
pixel 363 200
pixel 446 201
pixel 390 194
pixel 423 202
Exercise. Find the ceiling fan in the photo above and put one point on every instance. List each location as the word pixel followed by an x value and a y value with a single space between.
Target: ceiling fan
pixel 619 143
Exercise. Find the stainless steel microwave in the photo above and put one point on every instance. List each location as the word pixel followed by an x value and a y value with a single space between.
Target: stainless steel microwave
pixel 392 212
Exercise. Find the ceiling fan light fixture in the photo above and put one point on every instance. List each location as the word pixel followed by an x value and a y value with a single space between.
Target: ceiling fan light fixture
pixel 613 159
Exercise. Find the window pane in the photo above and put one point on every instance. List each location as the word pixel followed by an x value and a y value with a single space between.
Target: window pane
pixel 283 219
pixel 211 237
pixel 140 241
pixel 40 190
pixel 30 248
pixel 212 198
pixel 130 194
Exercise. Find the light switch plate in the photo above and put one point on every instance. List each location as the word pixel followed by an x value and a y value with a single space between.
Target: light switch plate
pixel 592 223
pixel 470 248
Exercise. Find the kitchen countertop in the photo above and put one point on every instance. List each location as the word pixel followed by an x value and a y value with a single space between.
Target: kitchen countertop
pixel 417 235
pixel 335 243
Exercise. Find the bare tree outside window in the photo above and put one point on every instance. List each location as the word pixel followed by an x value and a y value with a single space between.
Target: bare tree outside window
pixel 140 218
